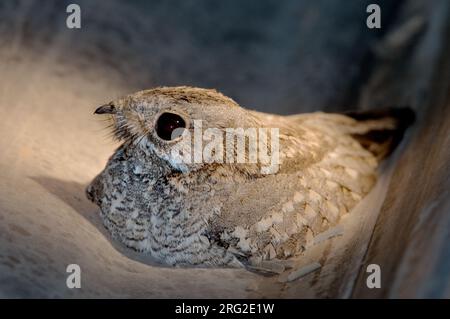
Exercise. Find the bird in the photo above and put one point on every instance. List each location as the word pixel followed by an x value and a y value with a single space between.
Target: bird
pixel 204 213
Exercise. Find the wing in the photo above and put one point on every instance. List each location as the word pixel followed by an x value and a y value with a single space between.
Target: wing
pixel 325 171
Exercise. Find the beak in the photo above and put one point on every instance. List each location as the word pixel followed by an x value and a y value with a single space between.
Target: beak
pixel 106 109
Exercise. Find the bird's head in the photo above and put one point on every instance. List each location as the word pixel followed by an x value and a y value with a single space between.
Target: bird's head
pixel 168 122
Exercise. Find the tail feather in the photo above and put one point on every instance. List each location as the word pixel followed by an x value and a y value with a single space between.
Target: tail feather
pixel 385 128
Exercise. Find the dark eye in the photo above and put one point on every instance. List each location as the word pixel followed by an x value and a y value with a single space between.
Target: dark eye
pixel 167 125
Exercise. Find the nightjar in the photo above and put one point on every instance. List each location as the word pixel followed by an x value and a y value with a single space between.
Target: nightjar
pixel 233 213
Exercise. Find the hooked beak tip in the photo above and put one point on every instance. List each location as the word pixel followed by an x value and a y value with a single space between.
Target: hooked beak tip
pixel 105 109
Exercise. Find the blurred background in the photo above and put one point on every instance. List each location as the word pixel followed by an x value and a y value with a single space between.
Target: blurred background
pixel 276 56
pixel 283 57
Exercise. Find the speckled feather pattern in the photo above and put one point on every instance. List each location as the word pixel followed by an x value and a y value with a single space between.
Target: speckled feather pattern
pixel 225 214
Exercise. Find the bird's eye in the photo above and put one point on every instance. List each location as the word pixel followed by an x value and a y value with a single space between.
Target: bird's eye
pixel 169 126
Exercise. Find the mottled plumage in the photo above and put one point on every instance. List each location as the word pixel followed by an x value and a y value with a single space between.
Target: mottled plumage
pixel 222 214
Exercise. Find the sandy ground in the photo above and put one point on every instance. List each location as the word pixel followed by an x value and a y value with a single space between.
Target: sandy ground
pixel 51 145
